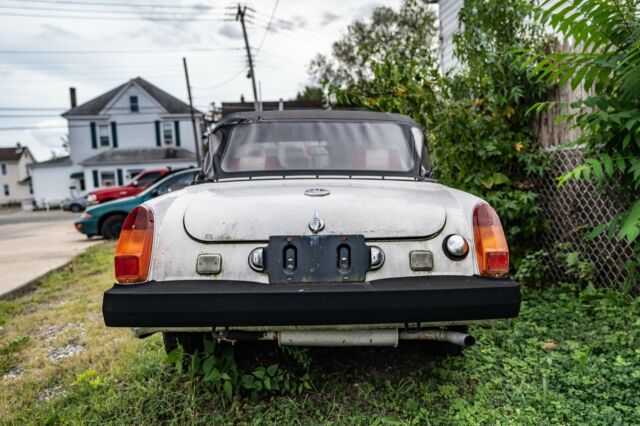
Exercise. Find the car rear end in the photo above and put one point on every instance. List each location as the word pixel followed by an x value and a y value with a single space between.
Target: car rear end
pixel 311 289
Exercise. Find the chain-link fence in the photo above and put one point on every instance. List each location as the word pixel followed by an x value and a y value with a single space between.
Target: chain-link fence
pixel 573 210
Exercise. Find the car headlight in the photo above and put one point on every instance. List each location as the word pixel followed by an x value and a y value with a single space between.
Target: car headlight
pixel 86 216
pixel 91 198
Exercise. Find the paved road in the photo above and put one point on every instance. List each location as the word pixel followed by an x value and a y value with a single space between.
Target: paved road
pixel 34 243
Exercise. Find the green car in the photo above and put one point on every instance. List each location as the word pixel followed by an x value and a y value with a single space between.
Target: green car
pixel 106 219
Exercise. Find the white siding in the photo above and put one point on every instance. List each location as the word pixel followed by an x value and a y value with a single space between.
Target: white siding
pixel 51 184
pixel 134 129
pixel 448 16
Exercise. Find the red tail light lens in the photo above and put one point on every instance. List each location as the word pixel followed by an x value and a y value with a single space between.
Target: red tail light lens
pixel 133 252
pixel 491 246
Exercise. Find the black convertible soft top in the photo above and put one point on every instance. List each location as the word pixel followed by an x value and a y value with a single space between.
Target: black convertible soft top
pixel 317 114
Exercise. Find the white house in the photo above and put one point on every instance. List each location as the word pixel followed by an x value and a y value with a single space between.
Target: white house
pixel 113 137
pixel 448 19
pixel 15 178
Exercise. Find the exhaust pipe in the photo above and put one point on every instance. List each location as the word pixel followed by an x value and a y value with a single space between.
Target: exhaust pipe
pixel 339 338
pixel 365 337
pixel 455 337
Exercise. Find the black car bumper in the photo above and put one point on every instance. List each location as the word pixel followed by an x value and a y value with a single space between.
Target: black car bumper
pixel 198 303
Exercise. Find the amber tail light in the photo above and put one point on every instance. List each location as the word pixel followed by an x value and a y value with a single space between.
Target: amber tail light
pixel 133 252
pixel 491 246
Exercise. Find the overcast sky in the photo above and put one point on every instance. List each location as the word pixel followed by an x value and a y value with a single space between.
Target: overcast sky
pixel 46 46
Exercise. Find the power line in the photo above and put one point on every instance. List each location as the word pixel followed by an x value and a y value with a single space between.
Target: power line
pixel 190 14
pixel 266 31
pixel 129 4
pixel 105 18
pixel 84 126
pixel 224 82
pixel 99 52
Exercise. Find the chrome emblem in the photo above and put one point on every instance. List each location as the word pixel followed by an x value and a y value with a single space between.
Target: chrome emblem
pixel 316 224
pixel 316 192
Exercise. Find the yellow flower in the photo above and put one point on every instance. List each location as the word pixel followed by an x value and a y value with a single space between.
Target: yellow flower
pixel 400 90
pixel 519 146
pixel 371 101
pixel 509 111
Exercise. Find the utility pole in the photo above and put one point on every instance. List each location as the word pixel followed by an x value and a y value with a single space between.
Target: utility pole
pixel 193 116
pixel 242 10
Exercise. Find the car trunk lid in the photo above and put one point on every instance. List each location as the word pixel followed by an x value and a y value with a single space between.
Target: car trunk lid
pixel 257 210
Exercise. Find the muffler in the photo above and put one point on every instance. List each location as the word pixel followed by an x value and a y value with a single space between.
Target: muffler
pixel 388 337
pixel 339 338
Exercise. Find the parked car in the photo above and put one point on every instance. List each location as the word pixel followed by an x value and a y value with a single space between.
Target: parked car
pixel 315 228
pixel 136 186
pixel 106 219
pixel 75 205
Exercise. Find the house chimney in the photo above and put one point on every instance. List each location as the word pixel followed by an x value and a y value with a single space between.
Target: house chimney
pixel 72 95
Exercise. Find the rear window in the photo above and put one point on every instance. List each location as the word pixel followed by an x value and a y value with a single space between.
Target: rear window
pixel 300 146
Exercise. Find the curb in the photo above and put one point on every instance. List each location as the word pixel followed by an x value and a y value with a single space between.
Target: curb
pixel 30 285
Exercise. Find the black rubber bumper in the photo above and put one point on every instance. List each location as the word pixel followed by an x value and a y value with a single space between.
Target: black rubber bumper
pixel 240 303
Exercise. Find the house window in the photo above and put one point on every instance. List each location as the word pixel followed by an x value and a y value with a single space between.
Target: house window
pixel 30 188
pixel 131 173
pixel 6 190
pixel 107 178
pixel 167 133
pixel 103 132
pixel 133 103
pixel 3 168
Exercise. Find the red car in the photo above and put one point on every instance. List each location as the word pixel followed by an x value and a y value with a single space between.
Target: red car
pixel 137 185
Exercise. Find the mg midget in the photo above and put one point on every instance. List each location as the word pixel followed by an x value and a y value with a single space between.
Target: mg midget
pixel 313 228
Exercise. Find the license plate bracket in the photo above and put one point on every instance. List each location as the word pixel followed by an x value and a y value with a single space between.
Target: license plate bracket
pixel 317 259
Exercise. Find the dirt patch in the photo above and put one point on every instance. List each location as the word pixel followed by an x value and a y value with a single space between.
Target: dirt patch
pixel 51 393
pixel 71 349
pixel 13 374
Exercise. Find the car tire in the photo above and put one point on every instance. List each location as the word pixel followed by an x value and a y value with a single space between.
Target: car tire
pixel 191 342
pixel 111 227
pixel 75 208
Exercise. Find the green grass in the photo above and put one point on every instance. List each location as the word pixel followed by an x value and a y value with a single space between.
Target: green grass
pixel 570 358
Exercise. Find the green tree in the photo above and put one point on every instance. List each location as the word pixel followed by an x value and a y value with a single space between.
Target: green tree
pixel 479 133
pixel 310 93
pixel 411 30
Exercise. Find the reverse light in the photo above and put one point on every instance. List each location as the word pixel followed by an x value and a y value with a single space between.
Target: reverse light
pixel 256 259
pixel 491 246
pixel 377 257
pixel 456 247
pixel 133 252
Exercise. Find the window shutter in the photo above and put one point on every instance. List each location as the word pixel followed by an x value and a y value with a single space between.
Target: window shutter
pixel 158 141
pixel 96 184
pixel 114 134
pixel 94 136
pixel 120 181
pixel 177 127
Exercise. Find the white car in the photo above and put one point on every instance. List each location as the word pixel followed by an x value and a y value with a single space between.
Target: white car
pixel 313 228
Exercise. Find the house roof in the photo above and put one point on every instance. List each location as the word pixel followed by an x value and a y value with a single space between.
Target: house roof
pixel 140 155
pixel 54 162
pixel 169 102
pixel 13 153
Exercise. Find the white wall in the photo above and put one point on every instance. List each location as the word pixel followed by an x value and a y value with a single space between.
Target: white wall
pixel 51 184
pixel 448 17
pixel 134 129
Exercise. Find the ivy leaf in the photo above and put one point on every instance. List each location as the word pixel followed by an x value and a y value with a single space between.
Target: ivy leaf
pixel 227 387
